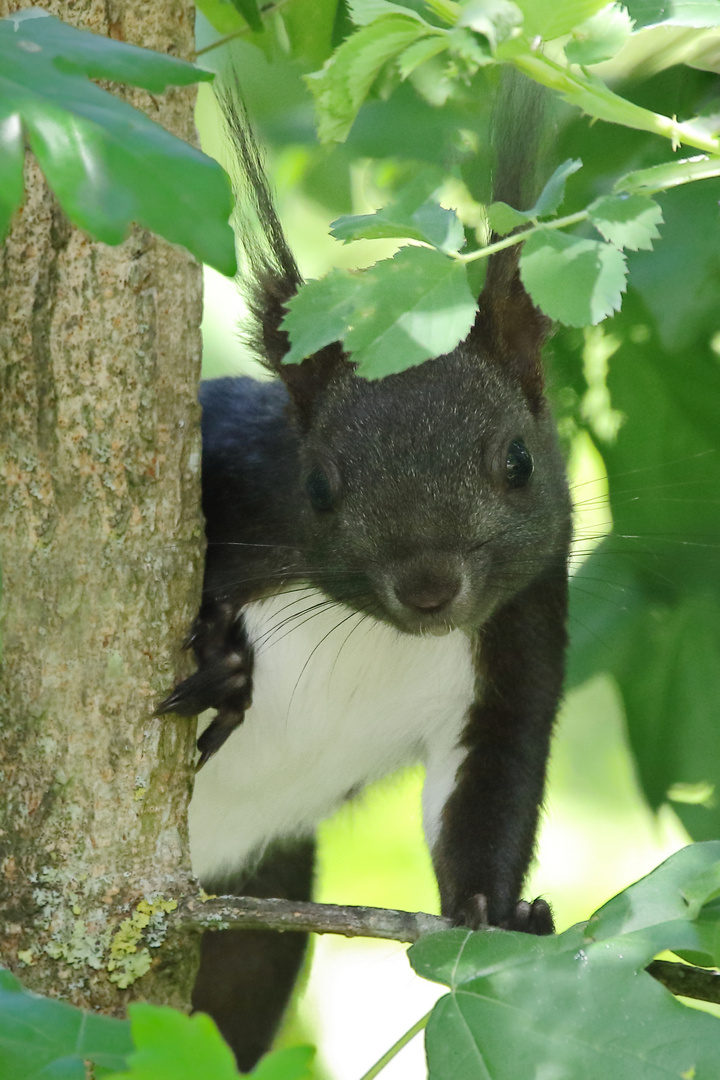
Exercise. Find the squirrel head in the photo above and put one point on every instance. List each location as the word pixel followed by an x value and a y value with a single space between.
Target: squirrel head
pixel 430 497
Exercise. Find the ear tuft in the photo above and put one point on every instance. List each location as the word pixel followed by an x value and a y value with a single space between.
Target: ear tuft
pixel 508 328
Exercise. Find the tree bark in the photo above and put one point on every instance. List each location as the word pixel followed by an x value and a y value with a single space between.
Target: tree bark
pixel 101 556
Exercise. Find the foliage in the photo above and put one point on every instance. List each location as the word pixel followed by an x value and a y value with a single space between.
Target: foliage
pixel 580 1003
pixel 577 280
pixel 107 163
pixel 599 1013
pixel 43 1037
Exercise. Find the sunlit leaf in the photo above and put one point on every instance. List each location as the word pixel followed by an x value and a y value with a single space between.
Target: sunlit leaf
pixel 549 18
pixel 107 163
pixel 347 77
pixel 390 317
pixel 420 52
pixel 503 218
pixel 415 306
pixel 666 907
pixel 223 15
pixel 494 19
pixel 578 282
pixel 172 1046
pixel 663 177
pixel 320 313
pixel 363 12
pixel 409 215
pixel 601 36
pixel 695 13
pixel 629 221
pixel 294 1063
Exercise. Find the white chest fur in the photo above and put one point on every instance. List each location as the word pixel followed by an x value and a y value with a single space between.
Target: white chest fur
pixel 338 702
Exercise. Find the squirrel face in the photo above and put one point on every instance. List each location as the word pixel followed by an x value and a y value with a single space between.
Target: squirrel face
pixel 433 496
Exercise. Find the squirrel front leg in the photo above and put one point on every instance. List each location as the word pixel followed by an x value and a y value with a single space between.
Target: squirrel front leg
pixel 487 826
pixel 223 680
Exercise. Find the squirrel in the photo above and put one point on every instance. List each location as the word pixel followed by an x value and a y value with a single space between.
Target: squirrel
pixel 385 583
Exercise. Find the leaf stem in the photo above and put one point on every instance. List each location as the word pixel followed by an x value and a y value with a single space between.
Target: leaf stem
pixel 222 41
pixel 396 1048
pixel 242 31
pixel 596 99
pixel 517 238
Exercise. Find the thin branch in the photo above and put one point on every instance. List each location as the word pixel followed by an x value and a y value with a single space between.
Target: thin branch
pixel 250 913
pixel 687 981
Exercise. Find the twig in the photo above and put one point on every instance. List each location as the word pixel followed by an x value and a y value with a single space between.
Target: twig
pixel 687 981
pixel 249 913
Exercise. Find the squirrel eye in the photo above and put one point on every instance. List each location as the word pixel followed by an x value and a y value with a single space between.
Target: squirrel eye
pixel 519 464
pixel 319 490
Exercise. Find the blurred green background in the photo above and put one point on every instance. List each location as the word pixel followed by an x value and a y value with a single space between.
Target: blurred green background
pixel 636 760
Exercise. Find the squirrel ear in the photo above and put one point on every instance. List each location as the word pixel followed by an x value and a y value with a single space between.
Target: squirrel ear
pixel 509 329
pixel 304 382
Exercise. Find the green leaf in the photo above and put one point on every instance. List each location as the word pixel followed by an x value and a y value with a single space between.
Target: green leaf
pixel 410 215
pixel 420 52
pixel 679 281
pixel 663 177
pixel 250 13
pixel 223 15
pixel 390 317
pixel 578 282
pixel 45 1037
pixel 108 164
pixel 503 218
pixel 695 13
pixel 553 193
pixel 364 12
pixel 587 92
pixel 561 1007
pixel 172 1046
pixel 664 907
pixel 12 157
pixel 646 606
pixel 320 313
pixel 291 1064
pixel 550 19
pixel 415 306
pixel 347 77
pixel 628 221
pixel 600 37
pixel 496 20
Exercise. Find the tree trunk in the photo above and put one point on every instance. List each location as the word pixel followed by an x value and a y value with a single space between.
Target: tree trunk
pixel 101 555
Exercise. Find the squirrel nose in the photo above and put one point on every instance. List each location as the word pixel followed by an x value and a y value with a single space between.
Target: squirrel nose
pixel 428 597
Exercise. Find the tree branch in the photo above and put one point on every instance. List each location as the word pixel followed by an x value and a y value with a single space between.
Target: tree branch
pixel 687 981
pixel 250 913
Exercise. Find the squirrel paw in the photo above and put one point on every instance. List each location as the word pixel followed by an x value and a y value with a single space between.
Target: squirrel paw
pixel 530 918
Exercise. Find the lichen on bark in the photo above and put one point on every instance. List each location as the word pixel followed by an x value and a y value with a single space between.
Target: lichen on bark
pixel 101 556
